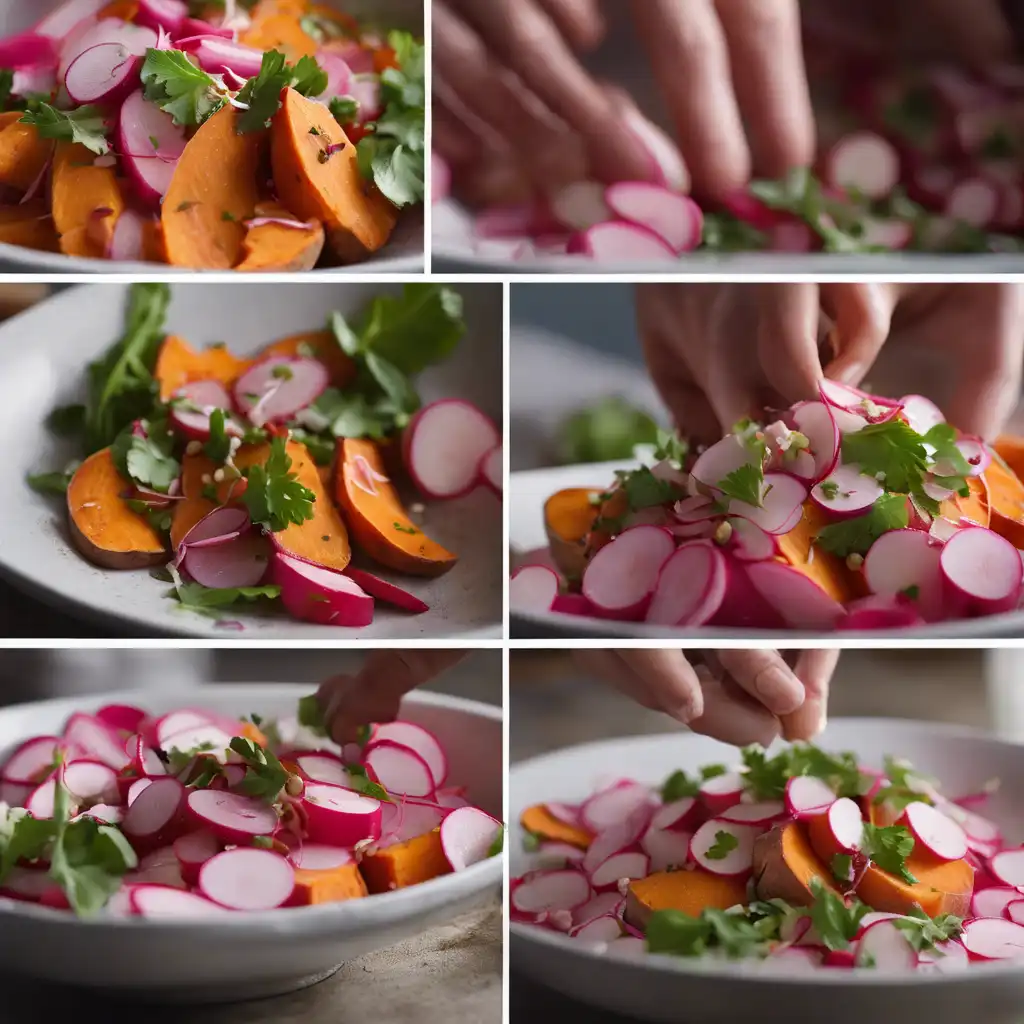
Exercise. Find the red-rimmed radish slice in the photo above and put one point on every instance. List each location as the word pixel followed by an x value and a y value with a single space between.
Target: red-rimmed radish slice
pixel 1008 867
pixel 313 593
pixel 792 236
pixel 32 761
pixel 217 56
pixel 601 905
pixel 67 17
pixel 982 571
pixel 128 239
pixel 714 853
pixel 192 406
pixel 749 543
pixel 599 931
pixel 720 460
pixel 891 614
pixel 247 879
pixel 492 469
pixel 854 402
pixel 467 836
pixel 616 838
pixel 167 903
pixel 178 721
pixel 839 830
pixel 137 39
pixel 278 387
pixel 617 242
pixel 615 804
pixel 866 162
pixel 442 447
pixel 667 848
pixel 573 604
pixel 135 790
pixel 452 797
pixel 14 794
pixel 399 769
pixel 799 601
pixel 679 814
pixel 533 588
pixel 873 917
pixel 607 876
pixel 907 564
pixel 340 817
pixel 40 801
pixel 994 901
pixel 763 813
pixel 888 233
pixel 666 160
pixel 193 851
pixel 974 825
pixel 721 792
pixel 103 73
pixel 219 526
pixel 208 739
pixel 542 892
pixel 239 562
pixel 151 144
pixel 169 15
pixel 90 781
pixel 921 413
pixel 622 576
pixel 1015 911
pixel 26 884
pixel 782 498
pixel 419 740
pixel 95 740
pixel 696 509
pixel 884 947
pixel 676 219
pixel 581 205
pixel 806 795
pixel 409 820
pixel 690 587
pixel 156 810
pixel 387 592
pixel 846 491
pixel 232 817
pixel 945 957
pixel 317 857
pixel 937 833
pixel 974 201
pixel 977 455
pixel 122 717
pixel 324 768
pixel 987 938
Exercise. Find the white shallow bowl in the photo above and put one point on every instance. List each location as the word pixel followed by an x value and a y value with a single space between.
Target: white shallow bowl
pixel 251 955
pixel 705 992
pixel 528 490
pixel 402 255
pixel 43 355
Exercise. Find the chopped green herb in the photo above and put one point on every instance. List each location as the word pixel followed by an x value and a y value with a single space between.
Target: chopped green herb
pixel 262 92
pixel 671 448
pixel 645 490
pixel 724 844
pixel 146 456
pixel 836 922
pixel 86 125
pixel 744 484
pixel 677 786
pixel 401 528
pixel 218 447
pixel 498 846
pixel 924 933
pixel 855 536
pixel 361 783
pixel 892 451
pixel 211 601
pixel 50 483
pixel 531 843
pixel 345 109
pixel 265 776
pixel 274 496
pixel 830 489
pixel 311 715
pixel 180 88
pixel 889 848
pixel 842 866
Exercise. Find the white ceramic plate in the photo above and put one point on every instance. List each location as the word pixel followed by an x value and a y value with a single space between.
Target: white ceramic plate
pixel 250 955
pixel 402 255
pixel 701 992
pixel 530 489
pixel 43 354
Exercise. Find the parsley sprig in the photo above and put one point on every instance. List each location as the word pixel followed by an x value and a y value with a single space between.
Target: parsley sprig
pixel 273 495
pixel 765 777
pixel 265 776
pixel 180 88
pixel 262 93
pixel 85 125
pixel 146 456
pixel 311 715
pixel 889 848
pixel 855 536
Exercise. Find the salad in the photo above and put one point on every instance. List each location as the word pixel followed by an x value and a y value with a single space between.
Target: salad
pixel 276 135
pixel 806 857
pixel 193 814
pixel 852 512
pixel 250 480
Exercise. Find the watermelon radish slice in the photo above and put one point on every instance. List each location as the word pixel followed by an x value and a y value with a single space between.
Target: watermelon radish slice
pixel 690 587
pixel 32 761
pixel 782 499
pixel 994 902
pixel 623 575
pixel 606 877
pixel 974 201
pixel 220 526
pixel 616 242
pixel 667 848
pixel 614 804
pixel 231 817
pixel 192 405
pixel 467 836
pixel 581 205
pixel 884 947
pixel 247 879
pixel 982 572
pixel 315 857
pixel 993 939
pixel 907 564
pixel 721 792
pixel 398 768
pixel 387 592
pixel 676 219
pixel 220 56
pixel 420 741
pixel 732 858
pixel 340 817
pixel 871 618
pixel 846 491
pixel 680 814
pixel 1015 911
pixel 866 162
pixel 808 796
pixel 542 892
pixel 534 588
pixel 800 602
pixel 695 509
pixel 763 813
pixel 935 831
pixel 156 810
pixel 170 904
pixel 277 388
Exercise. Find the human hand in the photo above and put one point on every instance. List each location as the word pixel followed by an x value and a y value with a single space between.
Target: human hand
pixel 739 697
pixel 719 353
pixel 375 692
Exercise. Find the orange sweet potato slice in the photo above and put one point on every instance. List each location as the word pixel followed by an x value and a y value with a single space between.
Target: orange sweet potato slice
pixel 24 154
pixel 943 887
pixel 87 200
pixel 689 892
pixel 320 345
pixel 568 519
pixel 825 569
pixel 329 885
pixel 1006 503
pixel 276 247
pixel 104 529
pixel 404 864
pixel 277 25
pixel 539 821
pixel 196 471
pixel 974 507
pixel 1011 450
pixel 321 182
pixel 30 225
pixel 614 507
pixel 213 192
pixel 123 9
pixel 785 865
pixel 379 523
pixel 179 364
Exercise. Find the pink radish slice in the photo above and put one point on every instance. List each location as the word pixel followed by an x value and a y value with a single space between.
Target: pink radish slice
pixel 935 831
pixel 278 387
pixel 977 455
pixel 210 739
pixel 721 459
pixel 231 817
pixel 676 219
pixel 420 741
pixel 122 717
pixel 542 892
pixel 1008 867
pixel 104 73
pixel 62 21
pixel 782 496
pixel 695 509
pixel 386 592
pixel 921 413
pixel 40 801
pixel 946 956
pixel 737 861
pixel 616 838
pixel 974 825
pixel 205 396
pixel 324 768
pixel 509 221
pixel 241 562
pixel 792 236
pixel 340 817
pixel 216 56
pixel 467 835
pixel 193 851
pixel 178 721
pixel 865 162
pixel 606 876
pixel 27 50
pixel 316 857
pixel 90 781
pixel 975 202
pixel 763 813
pixel 622 576
pixel 28 884
pixel 152 144
pixel 32 761
pixel 894 616
pixel 884 947
pixel 197 27
pixel 845 398
pixel 155 809
pixel 169 15
pixel 845 824
pixel 721 792
pixel 452 797
pixel 993 902
pixel 615 242
pixel 339 75
pixel 666 160
pixel 873 917
pixel 800 602
pixel 666 848
pixel 219 526
pixel 247 879
pixel 492 469
pixel 601 905
pixel 993 939
pixel 1015 911
pixel 581 205
pixel 749 543
pixel 15 794
pixel 679 814
pixel 846 491
pixel 907 563
pixel 572 604
pixel 167 903
pixel 398 768
pixel 442 447
pixel 533 588
pixel 416 819
pixel 599 931
pixel 887 234
pixel 808 795
pixel 982 571
pixel 315 594
pixel 96 740
pixel 135 790
pixel 615 804
pixel 690 587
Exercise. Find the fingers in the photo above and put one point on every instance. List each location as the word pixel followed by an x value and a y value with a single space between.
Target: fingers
pixel 767 61
pixel 661 680
pixel 690 61
pixel 580 21
pixel 765 677
pixel 787 338
pixel 814 669
pixel 977 31
pixel 731 716
pixel 863 318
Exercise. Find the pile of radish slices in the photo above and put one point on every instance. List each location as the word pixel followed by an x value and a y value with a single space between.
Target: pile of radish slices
pixel 206 830
pixel 631 861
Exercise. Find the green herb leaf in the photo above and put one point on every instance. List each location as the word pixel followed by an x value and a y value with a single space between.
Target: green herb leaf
pixel 606 431
pixel 924 933
pixel 180 88
pixel 889 848
pixel 352 414
pixel 311 715
pixel 677 786
pixel 855 536
pixel 765 778
pixel 274 496
pixel 265 776
pixel 348 341
pixel 671 448
pixel 892 449
pixel 724 844
pixel 320 448
pixel 842 866
pixel 85 125
pixel 49 483
pixel 262 92
pixel 713 771
pixel 498 846
pixel 744 484
pixel 148 458
pixel 393 383
pixel 730 932
pixel 835 922
pixel 67 420
pixel 211 601
pixel 362 783
pixel 645 490
pixel 345 109
pixel 23 837
pixel 725 233
pixel 531 842
pixel 218 447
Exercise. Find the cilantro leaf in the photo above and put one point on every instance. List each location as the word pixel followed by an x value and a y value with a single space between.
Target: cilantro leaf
pixel 274 496
pixel 679 934
pixel 146 457
pixel 85 125
pixel 23 838
pixel 835 922
pixel 352 414
pixel 262 92
pixel 765 778
pixel 218 447
pixel 211 601
pixel 362 783
pixel 348 341
pixel 180 88
pixel 311 715
pixel 321 449
pixel 904 786
pixel 724 844
pixel 842 867
pixel 725 233
pixel 49 483
pixel 893 449
pixel 671 448
pixel 531 842
pixel 924 933
pixel 678 785
pixel 345 109
pixel 855 536
pixel 498 846
pixel 394 384
pixel 265 776
pixel 744 484
pixel 308 78
pixel 889 848
pixel 645 490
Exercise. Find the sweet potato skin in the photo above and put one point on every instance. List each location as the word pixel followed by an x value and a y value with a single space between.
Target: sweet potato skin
pixel 82 195
pixel 569 517
pixel 539 821
pixel 103 528
pixel 403 864
pixel 785 864
pixel 687 891
pixel 179 364
pixel 30 226
pixel 943 887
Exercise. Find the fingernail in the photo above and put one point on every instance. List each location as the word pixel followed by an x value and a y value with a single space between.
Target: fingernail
pixel 849 373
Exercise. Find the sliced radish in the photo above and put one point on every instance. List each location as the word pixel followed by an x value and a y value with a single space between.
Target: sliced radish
pixel 324 768
pixel 982 572
pixel 615 242
pixel 974 825
pixel 127 241
pixel 169 15
pixel 680 814
pixel 405 821
pixel 806 795
pixel 96 740
pixel 419 740
pixel 241 562
pixel 975 453
pixel 442 447
pixel 40 801
pixel 398 768
pixel 946 956
pixel 921 413
pixel 614 804
pixel 340 817
pixel 974 201
pixel 581 205
pixel 1008 867
pixel 1015 911
pixel 219 526
pixel 492 469
pixel 32 761
pixel 993 902
pixel 623 575
pixel 865 162
pixel 156 811
pixel 714 853
pixel 846 491
pixel 690 587
pixel 532 589
pixel 601 905
pixel 887 234
pixel 839 830
pixel 666 160
pixel 151 144
pixel 316 594
pixel 467 836
pixel 884 947
pixel 800 602
pixel 542 892
pixel 721 792
pixel 607 876
pixel 599 931
pixel 387 592
pixel 103 73
pixel 873 917
pixel 891 614
pixel 199 399
pixel 217 56
pixel 616 838
pixel 167 903
pixel 193 851
pixel 854 402
pixel 907 564
pixel 720 460
pixel 232 817
pixel 14 794
pixel 666 848
pixel 247 879
pixel 135 790
pixel 792 236
pixel 277 388
pixel 782 498
pixel 452 797
pixel 178 721
pixel 90 781
pixel 63 20
pixel 26 884
pixel 316 857
pixel 942 837
pixel 763 813
pixel 749 543
pixel 993 939
pixel 209 740
pixel 573 604
pixel 676 219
